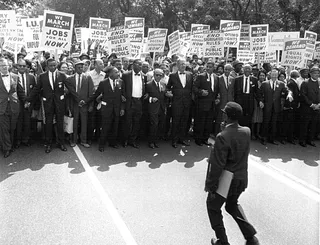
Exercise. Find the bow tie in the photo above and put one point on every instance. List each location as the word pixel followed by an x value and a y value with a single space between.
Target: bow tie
pixel 137 74
pixel 5 75
pixel 181 73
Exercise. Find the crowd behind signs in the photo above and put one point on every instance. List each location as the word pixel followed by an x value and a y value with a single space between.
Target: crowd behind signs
pixel 117 93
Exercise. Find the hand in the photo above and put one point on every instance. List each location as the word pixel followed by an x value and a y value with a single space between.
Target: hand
pixel 27 104
pixel 123 99
pixel 82 103
pixel 298 105
pixel 313 106
pixel 217 101
pixel 121 113
pixel 146 96
pixel 169 94
pixel 90 108
pixel 261 104
pixel 290 98
pixel 204 92
pixel 99 98
pixel 154 99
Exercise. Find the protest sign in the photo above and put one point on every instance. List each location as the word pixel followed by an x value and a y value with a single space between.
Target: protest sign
pixel 156 39
pixel 118 41
pixel 135 25
pixel 259 38
pixel 317 51
pixel 213 44
pixel 198 32
pixel 85 36
pixel 231 31
pixel 245 32
pixel 294 52
pixel 276 39
pixel 57 30
pixel 136 44
pixel 311 45
pixel 77 32
pixel 32 34
pixel 244 54
pixel 174 42
pixel 98 29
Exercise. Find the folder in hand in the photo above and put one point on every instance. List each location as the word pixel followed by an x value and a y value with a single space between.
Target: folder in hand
pixel 224 183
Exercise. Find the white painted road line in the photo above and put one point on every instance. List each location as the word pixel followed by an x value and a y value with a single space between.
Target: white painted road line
pixel 287 179
pixel 122 227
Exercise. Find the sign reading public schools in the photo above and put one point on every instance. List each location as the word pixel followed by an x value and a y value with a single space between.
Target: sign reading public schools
pixel 156 39
pixel 294 52
pixel 57 30
pixel 259 38
pixel 213 44
pixel 118 41
pixel 231 31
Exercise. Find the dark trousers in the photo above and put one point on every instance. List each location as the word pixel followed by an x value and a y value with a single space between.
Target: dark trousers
pixel 289 123
pixel 94 123
pixel 203 124
pixel 8 123
pixel 180 117
pixel 270 125
pixel 168 120
pixel 48 127
pixel 24 125
pixel 80 118
pixel 156 126
pixel 110 123
pixel 133 117
pixel 214 204
pixel 308 125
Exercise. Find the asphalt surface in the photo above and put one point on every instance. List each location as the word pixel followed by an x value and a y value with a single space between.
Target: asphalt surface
pixel 158 194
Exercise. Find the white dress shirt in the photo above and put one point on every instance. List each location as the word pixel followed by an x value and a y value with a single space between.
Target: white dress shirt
pixel 183 79
pixel 111 83
pixel 226 80
pixel 136 85
pixel 96 77
pixel 78 81
pixel 50 78
pixel 212 82
pixel 6 81
pixel 23 81
pixel 246 80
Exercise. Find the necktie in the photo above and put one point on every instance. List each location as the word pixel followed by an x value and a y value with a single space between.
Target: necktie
pixel 137 74
pixel 79 80
pixel 246 86
pixel 159 87
pixel 52 79
pixel 212 83
pixel 114 85
pixel 227 82
pixel 24 84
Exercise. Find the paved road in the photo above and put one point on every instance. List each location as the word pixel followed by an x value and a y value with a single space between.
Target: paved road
pixel 152 196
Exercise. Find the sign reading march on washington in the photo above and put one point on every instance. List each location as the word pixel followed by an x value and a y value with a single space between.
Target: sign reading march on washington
pixel 156 39
pixel 259 38
pixel 57 30
pixel 294 52
pixel 231 31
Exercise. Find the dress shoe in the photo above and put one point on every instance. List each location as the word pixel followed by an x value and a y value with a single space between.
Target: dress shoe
pixel 184 142
pixel 6 154
pixel 156 145
pixel 134 145
pixel 206 142
pixel 115 146
pixel 85 145
pixel 282 142
pixel 27 144
pixel 48 149
pixel 273 142
pixel 101 148
pixel 311 143
pixel 292 142
pixel 17 145
pixel 125 144
pixel 303 144
pixel 73 144
pixel 199 143
pixel 62 147
pixel 174 145
pixel 263 141
pixel 252 241
pixel 218 242
pixel 152 146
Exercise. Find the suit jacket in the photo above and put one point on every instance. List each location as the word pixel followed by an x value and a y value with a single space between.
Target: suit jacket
pixel 86 89
pixel 203 82
pixel 182 96
pixel 294 88
pixel 127 80
pixel 246 100
pixel 272 98
pixel 310 93
pixel 153 92
pixel 226 94
pixel 230 152
pixel 12 97
pixel 55 96
pixel 111 99
pixel 30 85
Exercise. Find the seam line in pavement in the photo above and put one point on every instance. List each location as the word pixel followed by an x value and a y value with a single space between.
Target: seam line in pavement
pixel 118 221
pixel 288 179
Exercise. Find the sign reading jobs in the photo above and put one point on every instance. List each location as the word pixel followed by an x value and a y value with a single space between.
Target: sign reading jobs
pixel 57 30
pixel 293 53
pixel 259 38
pixel 98 29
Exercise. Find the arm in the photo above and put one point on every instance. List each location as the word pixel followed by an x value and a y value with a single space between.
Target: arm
pixel 304 94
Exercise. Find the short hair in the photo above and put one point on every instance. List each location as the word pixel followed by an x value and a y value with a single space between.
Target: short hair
pixel 62 63
pixel 282 73
pixel 109 69
pixel 262 71
pixel 228 65
pixel 294 74
pixel 136 61
pixel 50 60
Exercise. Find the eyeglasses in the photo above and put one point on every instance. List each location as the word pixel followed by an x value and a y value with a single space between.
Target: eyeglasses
pixel 21 66
pixel 158 75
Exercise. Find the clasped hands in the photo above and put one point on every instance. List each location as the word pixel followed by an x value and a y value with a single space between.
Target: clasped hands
pixel 82 103
pixel 315 107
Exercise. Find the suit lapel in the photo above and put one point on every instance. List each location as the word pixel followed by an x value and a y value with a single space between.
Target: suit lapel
pixel 2 85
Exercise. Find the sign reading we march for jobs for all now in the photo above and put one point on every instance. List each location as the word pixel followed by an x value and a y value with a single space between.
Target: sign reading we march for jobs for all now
pixel 57 30
pixel 259 38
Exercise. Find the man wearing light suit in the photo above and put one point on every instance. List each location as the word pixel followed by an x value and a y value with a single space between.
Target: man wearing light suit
pixel 180 89
pixel 156 107
pixel 51 85
pixel 11 92
pixel 84 88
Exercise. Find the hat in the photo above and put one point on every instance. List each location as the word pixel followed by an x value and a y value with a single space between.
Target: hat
pixel 304 69
pixel 79 62
pixel 236 62
pixel 255 67
pixel 314 68
pixel 84 55
pixel 233 110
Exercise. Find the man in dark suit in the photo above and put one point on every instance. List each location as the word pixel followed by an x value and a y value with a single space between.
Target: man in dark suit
pixel 226 91
pixel 134 84
pixel 28 82
pixel 206 90
pixel 112 107
pixel 84 88
pixel 11 92
pixel 272 92
pixel 230 152
pixel 51 85
pixel 245 92
pixel 156 107
pixel 290 113
pixel 180 89
pixel 310 107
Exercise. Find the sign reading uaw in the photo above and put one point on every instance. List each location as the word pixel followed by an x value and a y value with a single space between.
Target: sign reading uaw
pixel 57 30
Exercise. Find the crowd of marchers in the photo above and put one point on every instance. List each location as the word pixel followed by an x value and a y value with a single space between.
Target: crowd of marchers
pixel 121 101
